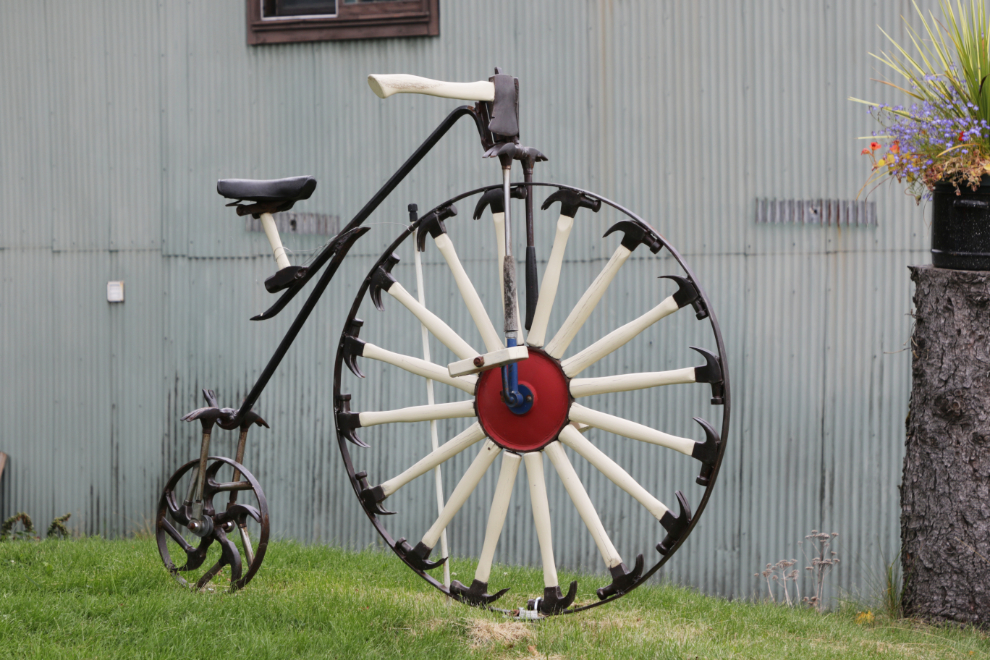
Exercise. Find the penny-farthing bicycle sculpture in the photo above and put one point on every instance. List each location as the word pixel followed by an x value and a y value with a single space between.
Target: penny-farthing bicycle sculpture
pixel 519 394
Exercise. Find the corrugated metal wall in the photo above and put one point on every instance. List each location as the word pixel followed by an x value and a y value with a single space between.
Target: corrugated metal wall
pixel 117 118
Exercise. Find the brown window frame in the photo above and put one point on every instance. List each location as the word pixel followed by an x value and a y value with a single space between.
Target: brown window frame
pixel 404 18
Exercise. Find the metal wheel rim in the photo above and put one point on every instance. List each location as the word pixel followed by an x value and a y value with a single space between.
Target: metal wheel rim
pixel 343 444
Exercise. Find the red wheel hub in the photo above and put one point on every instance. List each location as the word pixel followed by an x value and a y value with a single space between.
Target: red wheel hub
pixel 540 425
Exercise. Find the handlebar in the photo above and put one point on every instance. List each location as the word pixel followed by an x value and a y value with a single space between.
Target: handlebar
pixel 384 85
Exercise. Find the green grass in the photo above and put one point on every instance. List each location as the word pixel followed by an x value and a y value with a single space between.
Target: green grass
pixel 92 598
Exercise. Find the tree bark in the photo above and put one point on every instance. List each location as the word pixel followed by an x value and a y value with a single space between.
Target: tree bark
pixel 945 495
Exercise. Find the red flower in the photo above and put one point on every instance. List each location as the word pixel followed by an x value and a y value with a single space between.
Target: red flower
pixel 865 152
pixel 895 148
pixel 961 136
pixel 874 145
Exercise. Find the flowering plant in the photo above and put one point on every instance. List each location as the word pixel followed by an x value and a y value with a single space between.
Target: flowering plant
pixel 944 136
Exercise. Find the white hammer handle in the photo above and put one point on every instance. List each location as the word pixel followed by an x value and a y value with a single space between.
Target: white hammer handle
pixel 386 84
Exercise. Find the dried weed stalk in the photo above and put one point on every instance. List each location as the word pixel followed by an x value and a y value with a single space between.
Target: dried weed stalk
pixel 822 560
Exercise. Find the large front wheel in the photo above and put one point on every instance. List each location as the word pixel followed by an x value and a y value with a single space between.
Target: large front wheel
pixel 589 414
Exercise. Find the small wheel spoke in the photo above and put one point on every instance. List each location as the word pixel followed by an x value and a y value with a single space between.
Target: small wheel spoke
pixel 588 386
pixel 541 515
pixel 617 338
pixel 579 496
pixel 551 279
pixel 496 516
pixel 462 491
pixel 177 537
pixel 419 367
pixel 448 450
pixel 438 328
pixel 471 299
pixel 248 548
pixel 571 437
pixel 230 486
pixel 589 300
pixel 630 429
pixel 418 413
pixel 210 574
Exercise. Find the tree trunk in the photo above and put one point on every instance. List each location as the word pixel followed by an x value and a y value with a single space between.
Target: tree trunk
pixel 945 496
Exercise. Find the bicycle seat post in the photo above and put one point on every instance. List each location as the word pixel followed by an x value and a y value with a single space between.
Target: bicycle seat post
pixel 268 197
pixel 271 231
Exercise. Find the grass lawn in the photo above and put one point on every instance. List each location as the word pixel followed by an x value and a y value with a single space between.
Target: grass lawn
pixel 92 598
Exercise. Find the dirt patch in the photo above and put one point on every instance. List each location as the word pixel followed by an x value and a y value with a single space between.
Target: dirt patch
pixel 635 623
pixel 485 634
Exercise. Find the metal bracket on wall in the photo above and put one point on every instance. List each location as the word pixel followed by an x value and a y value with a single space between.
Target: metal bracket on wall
pixel 828 212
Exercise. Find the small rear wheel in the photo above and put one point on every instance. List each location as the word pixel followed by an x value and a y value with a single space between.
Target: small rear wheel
pixel 229 543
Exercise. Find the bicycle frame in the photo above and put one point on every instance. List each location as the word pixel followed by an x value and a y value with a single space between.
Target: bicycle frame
pixel 337 249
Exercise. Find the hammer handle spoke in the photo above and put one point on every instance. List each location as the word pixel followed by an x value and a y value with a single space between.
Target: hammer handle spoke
pixel 571 437
pixel 420 367
pixel 617 338
pixel 497 514
pixel 418 413
pixel 471 299
pixel 581 387
pixel 585 508
pixel 467 484
pixel 541 515
pixel 437 328
pixel 630 429
pixel 448 450
pixel 551 280
pixel 589 300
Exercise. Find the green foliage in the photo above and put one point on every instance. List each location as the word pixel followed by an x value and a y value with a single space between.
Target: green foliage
pixel 58 529
pixel 92 598
pixel 27 528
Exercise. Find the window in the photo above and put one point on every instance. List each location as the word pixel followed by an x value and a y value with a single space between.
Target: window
pixel 292 21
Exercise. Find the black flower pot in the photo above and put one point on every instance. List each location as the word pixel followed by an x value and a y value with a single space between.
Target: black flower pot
pixel 961 227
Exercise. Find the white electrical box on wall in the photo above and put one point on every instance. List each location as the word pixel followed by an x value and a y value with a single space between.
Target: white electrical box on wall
pixel 115 292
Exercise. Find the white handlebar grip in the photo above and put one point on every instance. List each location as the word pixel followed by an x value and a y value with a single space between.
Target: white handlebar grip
pixel 384 85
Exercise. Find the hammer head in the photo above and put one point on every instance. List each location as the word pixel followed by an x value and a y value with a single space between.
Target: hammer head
pixel 675 525
pixel 687 294
pixel 476 594
pixel 711 372
pixel 529 155
pixel 505 106
pixel 371 498
pixel 571 201
pixel 623 579
pixel 251 417
pixel 634 233
pixel 346 420
pixel 494 198
pixel 504 151
pixel 418 557
pixel 382 279
pixel 353 347
pixel 706 452
pixel 432 224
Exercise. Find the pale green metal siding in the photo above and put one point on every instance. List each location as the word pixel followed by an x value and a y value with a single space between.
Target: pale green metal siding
pixel 117 117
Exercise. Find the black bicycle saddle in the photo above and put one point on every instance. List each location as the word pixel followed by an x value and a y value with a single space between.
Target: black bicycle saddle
pixel 291 189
